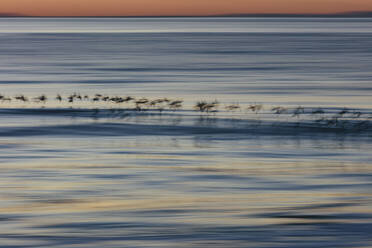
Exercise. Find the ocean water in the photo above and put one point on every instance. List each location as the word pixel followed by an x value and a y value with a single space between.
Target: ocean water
pixel 99 174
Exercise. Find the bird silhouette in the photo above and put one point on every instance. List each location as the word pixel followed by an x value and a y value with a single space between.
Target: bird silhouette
pixel 279 110
pixel 204 106
pixel 175 104
pixel 232 107
pixel 255 108
pixel 21 98
pixel 41 98
pixel 298 111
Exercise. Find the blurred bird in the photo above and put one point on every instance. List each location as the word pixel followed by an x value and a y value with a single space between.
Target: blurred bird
pixel 128 99
pixel 357 114
pixel 142 101
pixel 175 104
pixel 279 110
pixel 41 98
pixel 255 108
pixel 232 107
pixel 21 98
pixel 298 111
pixel 204 106
pixel 71 98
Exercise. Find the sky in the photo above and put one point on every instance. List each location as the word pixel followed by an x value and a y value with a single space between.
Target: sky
pixel 177 7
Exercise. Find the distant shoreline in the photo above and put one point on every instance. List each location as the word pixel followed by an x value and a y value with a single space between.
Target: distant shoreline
pixel 359 14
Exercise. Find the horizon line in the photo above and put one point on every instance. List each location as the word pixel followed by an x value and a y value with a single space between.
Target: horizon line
pixel 337 14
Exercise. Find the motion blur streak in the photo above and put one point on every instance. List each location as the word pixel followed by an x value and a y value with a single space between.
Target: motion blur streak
pixel 71 178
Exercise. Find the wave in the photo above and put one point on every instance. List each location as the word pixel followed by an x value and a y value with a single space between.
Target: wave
pixel 129 122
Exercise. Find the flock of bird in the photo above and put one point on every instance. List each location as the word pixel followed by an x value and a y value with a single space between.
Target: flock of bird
pixel 140 103
pixel 334 119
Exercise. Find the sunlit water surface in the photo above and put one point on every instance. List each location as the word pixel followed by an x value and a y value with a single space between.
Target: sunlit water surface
pixel 77 179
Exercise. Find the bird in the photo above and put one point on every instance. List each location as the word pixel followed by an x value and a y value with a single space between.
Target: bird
pixel 153 103
pixel 71 98
pixel 116 99
pixel 142 101
pixel 21 98
pixel 298 111
pixel 128 99
pixel 204 106
pixel 41 98
pixel 200 106
pixel 357 114
pixel 279 110
pixel 175 104
pixel 255 108
pixel 232 107
pixel 343 112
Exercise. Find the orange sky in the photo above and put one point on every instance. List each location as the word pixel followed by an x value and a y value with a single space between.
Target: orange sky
pixel 177 7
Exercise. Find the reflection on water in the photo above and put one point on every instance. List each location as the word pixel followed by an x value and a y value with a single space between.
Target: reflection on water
pixel 72 179
pixel 183 190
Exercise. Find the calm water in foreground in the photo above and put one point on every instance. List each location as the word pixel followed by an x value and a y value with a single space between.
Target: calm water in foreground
pixel 78 178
